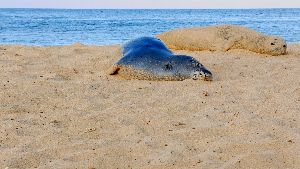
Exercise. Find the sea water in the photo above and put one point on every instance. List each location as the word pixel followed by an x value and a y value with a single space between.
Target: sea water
pixel 49 27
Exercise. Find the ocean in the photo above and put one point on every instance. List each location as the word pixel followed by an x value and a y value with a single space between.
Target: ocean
pixel 51 27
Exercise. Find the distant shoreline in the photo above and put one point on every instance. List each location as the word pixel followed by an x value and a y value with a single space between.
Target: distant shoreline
pixel 97 45
pixel 148 8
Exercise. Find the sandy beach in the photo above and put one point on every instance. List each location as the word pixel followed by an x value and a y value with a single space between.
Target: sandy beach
pixel 60 109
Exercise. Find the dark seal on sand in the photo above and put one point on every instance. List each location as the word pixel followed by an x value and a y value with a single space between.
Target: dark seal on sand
pixel 149 58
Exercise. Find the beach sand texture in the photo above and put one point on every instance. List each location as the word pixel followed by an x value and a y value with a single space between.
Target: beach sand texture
pixel 59 109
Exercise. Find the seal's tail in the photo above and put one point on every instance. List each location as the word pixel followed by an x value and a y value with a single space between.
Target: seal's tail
pixel 113 70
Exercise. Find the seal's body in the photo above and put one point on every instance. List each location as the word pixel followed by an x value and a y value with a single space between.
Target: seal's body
pixel 149 58
pixel 223 38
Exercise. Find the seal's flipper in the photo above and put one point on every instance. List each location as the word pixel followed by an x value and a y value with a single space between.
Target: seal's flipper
pixel 113 70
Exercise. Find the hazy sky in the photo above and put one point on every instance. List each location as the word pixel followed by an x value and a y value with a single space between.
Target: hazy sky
pixel 149 3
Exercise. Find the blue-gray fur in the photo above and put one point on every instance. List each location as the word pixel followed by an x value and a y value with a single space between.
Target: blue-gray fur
pixel 152 56
pixel 145 43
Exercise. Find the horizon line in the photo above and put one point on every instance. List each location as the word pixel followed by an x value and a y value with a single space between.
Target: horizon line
pixel 144 8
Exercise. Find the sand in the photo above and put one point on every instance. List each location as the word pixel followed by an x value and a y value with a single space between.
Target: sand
pixel 59 109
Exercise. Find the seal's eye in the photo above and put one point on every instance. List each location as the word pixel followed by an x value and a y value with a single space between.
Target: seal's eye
pixel 196 76
pixel 168 66
pixel 284 46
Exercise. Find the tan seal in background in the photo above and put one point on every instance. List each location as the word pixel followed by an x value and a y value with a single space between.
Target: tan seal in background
pixel 223 38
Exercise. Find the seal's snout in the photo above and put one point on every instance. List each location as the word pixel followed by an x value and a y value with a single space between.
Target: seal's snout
pixel 203 75
pixel 208 77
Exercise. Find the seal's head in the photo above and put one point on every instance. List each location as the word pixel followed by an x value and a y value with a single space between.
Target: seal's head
pixel 187 66
pixel 274 45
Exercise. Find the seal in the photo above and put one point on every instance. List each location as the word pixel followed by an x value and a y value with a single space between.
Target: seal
pixel 148 58
pixel 223 38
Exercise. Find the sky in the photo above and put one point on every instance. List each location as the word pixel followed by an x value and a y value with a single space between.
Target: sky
pixel 103 4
